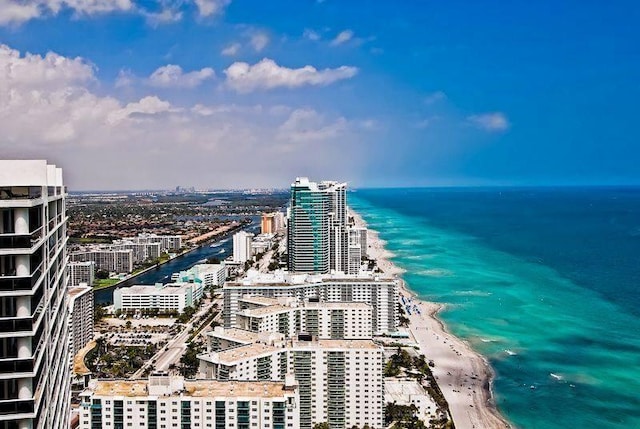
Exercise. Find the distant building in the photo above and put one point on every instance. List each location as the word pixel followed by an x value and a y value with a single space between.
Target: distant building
pixel 380 293
pixel 113 261
pixel 340 381
pixel 242 246
pixel 34 332
pixel 81 272
pixel 141 251
pixel 268 223
pixel 80 318
pixel 168 243
pixel 171 402
pixel 261 243
pixel 164 298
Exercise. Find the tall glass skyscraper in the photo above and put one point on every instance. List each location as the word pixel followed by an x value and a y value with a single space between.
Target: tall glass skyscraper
pixel 34 349
pixel 308 228
pixel 317 229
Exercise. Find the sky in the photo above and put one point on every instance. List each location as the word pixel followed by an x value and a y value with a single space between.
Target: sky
pixel 154 94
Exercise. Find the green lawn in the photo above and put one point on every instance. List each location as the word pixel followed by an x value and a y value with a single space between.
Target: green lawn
pixel 102 283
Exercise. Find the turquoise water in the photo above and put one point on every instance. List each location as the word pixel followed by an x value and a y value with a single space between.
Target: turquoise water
pixel 546 288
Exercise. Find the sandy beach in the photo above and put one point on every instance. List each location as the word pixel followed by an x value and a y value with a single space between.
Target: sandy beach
pixel 464 376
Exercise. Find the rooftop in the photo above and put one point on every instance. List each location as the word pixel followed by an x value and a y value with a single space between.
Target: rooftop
pixel 167 289
pixel 77 291
pixel 194 388
pixel 239 335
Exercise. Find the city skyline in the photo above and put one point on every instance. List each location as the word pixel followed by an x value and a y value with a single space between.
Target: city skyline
pixel 218 93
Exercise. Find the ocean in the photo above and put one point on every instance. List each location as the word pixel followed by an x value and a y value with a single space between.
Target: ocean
pixel 544 282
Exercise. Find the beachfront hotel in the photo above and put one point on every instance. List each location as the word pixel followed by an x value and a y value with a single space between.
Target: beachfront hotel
pixel 34 348
pixel 169 402
pixel 308 238
pixel 320 238
pixel 379 293
pixel 340 381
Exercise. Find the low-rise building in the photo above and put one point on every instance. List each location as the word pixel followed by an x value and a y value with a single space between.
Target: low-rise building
pixel 81 272
pixel 210 275
pixel 410 392
pixel 80 304
pixel 168 402
pixel 162 297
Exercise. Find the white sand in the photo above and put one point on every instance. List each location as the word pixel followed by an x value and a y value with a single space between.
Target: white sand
pixel 463 375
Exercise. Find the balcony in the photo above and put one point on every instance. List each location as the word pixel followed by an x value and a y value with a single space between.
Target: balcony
pixel 15 324
pixel 31 193
pixel 21 241
pixel 17 283
pixel 16 406
pixel 15 365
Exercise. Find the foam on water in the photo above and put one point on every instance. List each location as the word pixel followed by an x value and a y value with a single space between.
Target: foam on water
pixel 565 329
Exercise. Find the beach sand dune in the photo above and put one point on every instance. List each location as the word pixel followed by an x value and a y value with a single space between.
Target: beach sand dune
pixel 463 375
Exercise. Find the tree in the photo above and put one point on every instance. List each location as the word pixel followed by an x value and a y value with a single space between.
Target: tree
pixel 98 313
pixel 102 274
pixel 323 425
pixel 189 361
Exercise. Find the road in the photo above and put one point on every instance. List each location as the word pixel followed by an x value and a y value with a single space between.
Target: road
pixel 172 352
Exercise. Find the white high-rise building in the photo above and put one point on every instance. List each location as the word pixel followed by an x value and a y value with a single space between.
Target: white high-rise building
pixel 340 381
pixel 34 345
pixel 113 261
pixel 80 318
pixel 242 246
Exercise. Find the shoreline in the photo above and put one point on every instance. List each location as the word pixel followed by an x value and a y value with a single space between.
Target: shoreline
pixel 463 375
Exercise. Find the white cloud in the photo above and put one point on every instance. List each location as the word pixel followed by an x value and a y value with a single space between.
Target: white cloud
pixel 266 74
pixel 172 76
pixel 342 37
pixel 311 34
pixel 12 12
pixel 259 41
pixel 434 97
pixel 494 121
pixel 231 50
pixel 125 79
pixel 90 7
pixel 211 7
pixel 35 71
pixel 165 143
pixel 307 125
pixel 165 16
pixel 15 12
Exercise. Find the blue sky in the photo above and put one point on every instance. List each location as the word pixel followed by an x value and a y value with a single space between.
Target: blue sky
pixel 218 93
